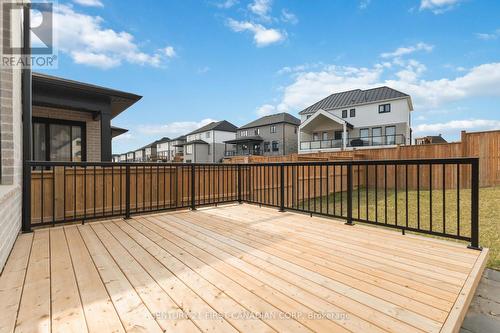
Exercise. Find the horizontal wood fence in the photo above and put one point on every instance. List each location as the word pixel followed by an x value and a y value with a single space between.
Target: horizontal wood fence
pixel 483 145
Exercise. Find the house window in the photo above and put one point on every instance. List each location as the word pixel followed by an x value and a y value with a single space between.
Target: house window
pixel 352 113
pixel 207 135
pixel 315 136
pixel 338 135
pixel 384 108
pixel 266 147
pixel 244 133
pixel 58 140
pixel 257 131
pixel 324 136
pixel 390 135
pixel 344 113
pixel 189 149
pixel 364 133
pixel 295 130
pixel 273 128
pixel 275 146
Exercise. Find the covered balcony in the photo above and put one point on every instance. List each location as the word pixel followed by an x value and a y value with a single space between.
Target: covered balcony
pixel 243 146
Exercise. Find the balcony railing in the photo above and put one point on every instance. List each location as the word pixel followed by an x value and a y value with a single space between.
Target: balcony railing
pixel 437 196
pixel 245 152
pixel 369 141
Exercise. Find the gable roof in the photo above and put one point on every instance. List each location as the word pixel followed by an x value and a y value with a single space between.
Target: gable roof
pixel 222 125
pixel 354 97
pixel 273 119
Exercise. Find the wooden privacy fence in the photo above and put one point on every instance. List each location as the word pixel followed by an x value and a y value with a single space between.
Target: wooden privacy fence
pixel 484 145
pixel 417 195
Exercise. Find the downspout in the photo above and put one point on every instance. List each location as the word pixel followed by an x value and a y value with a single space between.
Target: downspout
pixel 27 119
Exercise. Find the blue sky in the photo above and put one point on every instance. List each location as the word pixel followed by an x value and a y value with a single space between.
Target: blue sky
pixel 201 60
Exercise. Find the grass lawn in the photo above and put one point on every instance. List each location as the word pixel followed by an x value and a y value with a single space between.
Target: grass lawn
pixel 489 212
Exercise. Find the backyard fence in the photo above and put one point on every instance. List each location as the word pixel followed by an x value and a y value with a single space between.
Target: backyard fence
pixel 435 196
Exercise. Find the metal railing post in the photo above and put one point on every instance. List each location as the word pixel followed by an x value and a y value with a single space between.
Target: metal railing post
pixel 193 187
pixel 127 191
pixel 475 205
pixel 26 212
pixel 349 194
pixel 282 187
pixel 239 183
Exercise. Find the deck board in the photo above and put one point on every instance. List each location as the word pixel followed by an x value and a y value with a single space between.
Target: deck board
pixel 235 268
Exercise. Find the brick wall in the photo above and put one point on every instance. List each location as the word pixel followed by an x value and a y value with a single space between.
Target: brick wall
pixel 11 151
pixel 93 132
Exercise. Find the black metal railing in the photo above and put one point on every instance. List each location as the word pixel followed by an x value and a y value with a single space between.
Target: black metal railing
pixel 243 152
pixel 439 197
pixel 367 141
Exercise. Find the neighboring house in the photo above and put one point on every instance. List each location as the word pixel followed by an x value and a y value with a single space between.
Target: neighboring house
pixel 116 158
pixel 206 144
pixel 356 119
pixel 123 157
pixel 150 152
pixel 131 156
pixel 163 150
pixel 139 155
pixel 176 148
pixel 270 135
pixel 430 139
pixel 72 120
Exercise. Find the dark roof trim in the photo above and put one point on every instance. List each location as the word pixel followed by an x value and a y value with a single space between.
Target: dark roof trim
pixel 54 80
pixel 195 142
pixel 245 139
pixel 224 126
pixel 116 131
pixel 273 119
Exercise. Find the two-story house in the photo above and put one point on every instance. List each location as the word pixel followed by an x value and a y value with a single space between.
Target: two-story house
pixel 130 156
pixel 206 144
pixel 356 119
pixel 176 148
pixel 163 150
pixel 270 135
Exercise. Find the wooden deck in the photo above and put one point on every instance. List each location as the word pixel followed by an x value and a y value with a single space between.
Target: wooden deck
pixel 236 268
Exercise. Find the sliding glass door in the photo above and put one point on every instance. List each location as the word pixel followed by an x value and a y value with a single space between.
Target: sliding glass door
pixel 56 140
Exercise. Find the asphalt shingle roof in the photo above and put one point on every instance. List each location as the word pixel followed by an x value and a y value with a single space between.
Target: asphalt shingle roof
pixel 223 125
pixel 354 97
pixel 273 119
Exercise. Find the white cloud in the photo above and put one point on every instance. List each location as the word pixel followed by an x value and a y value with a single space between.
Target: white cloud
pixel 489 36
pixel 438 6
pixel 289 17
pixel 89 3
pixel 226 4
pixel 170 51
pixel 401 51
pixel 457 125
pixel 309 87
pixel 173 129
pixel 261 8
pixel 87 42
pixel 203 70
pixel 363 4
pixel 262 36
pixel 265 110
